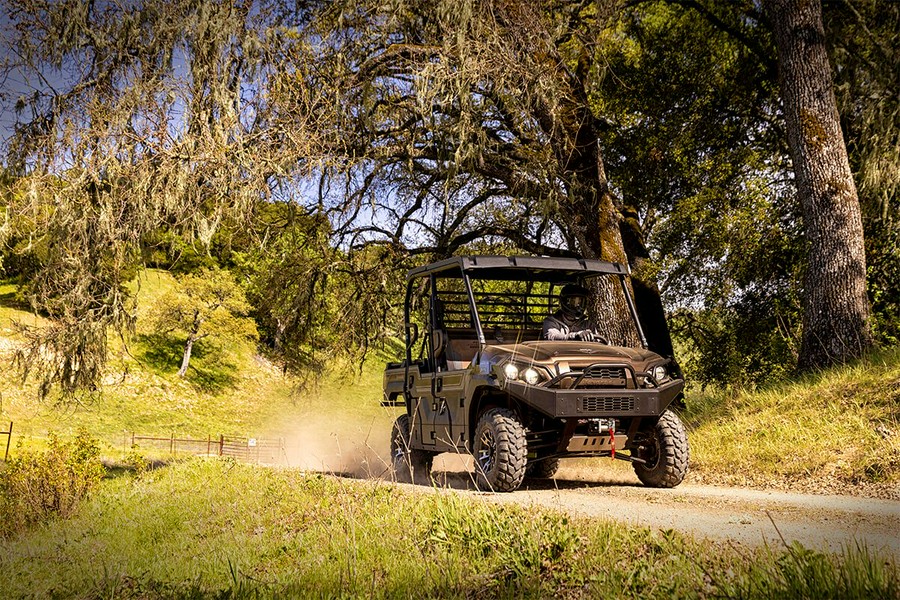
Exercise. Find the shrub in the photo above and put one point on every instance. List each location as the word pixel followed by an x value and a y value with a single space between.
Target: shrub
pixel 136 461
pixel 36 486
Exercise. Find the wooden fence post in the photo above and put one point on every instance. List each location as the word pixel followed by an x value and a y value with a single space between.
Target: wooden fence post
pixel 8 440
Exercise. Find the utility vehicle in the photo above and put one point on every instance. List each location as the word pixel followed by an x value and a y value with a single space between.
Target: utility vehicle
pixel 478 378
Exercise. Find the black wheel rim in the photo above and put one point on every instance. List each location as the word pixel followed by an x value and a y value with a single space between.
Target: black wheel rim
pixel 651 454
pixel 486 449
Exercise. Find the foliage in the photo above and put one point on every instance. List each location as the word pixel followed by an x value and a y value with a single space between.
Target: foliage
pixel 883 260
pixel 318 306
pixel 215 528
pixel 725 233
pixel 156 132
pixel 207 304
pixel 136 461
pixel 183 134
pixel 37 486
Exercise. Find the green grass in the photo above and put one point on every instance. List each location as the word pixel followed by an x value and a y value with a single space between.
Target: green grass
pixel 228 390
pixel 213 528
pixel 841 426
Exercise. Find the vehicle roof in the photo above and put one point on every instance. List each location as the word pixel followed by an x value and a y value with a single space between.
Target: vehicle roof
pixel 538 268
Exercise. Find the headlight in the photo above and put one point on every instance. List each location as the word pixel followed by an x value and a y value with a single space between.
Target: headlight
pixel 511 371
pixel 531 376
pixel 659 373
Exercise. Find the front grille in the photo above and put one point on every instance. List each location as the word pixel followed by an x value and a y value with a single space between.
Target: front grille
pixel 605 373
pixel 612 405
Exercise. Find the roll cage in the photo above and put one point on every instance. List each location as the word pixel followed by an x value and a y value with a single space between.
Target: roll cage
pixel 501 310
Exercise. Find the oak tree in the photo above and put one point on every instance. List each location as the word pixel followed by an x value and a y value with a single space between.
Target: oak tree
pixel 208 304
pixel 835 305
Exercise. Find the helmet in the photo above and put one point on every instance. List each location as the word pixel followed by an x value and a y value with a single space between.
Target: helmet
pixel 573 300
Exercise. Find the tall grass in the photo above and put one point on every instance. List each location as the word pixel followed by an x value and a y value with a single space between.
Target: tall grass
pixel 840 425
pixel 213 528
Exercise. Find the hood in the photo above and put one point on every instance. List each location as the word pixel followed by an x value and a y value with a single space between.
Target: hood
pixel 574 353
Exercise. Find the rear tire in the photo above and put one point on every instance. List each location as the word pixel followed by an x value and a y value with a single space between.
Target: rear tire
pixel 410 465
pixel 500 450
pixel 666 452
pixel 542 469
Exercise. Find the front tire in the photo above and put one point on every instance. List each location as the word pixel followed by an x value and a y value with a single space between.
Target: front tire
pixel 409 464
pixel 666 453
pixel 500 450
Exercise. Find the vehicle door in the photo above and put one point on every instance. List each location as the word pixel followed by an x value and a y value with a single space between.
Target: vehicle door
pixel 441 388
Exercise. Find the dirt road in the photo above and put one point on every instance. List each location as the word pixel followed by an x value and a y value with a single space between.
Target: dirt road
pixel 607 489
pixel 748 517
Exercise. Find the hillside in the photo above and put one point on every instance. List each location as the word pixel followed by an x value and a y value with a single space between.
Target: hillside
pixel 838 431
pixel 229 390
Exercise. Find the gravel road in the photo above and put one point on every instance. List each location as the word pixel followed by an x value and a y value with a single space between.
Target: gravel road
pixel 744 516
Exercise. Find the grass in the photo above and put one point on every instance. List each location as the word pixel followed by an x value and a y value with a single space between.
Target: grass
pixel 213 528
pixel 838 427
pixel 227 390
pixel 204 528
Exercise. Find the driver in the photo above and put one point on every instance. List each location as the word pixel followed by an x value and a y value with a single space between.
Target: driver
pixel 570 322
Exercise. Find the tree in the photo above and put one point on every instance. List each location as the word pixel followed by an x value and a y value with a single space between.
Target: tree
pixel 835 306
pixel 728 235
pixel 140 117
pixel 207 304
pixel 410 131
pixel 722 235
pixel 470 124
pixel 864 45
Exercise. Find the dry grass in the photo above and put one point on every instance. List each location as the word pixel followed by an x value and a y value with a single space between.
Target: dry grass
pixel 835 429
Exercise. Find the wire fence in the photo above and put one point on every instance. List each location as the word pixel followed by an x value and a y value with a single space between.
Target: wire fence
pixel 247 449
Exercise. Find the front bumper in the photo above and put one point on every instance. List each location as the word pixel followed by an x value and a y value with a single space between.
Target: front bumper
pixel 587 403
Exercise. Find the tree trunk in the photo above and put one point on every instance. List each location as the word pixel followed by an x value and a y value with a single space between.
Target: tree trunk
pixel 835 306
pixel 186 359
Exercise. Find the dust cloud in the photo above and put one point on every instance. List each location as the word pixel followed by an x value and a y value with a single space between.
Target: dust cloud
pixel 339 445
pixel 330 439
pixel 350 446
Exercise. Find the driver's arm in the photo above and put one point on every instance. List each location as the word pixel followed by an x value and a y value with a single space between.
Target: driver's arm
pixel 554 330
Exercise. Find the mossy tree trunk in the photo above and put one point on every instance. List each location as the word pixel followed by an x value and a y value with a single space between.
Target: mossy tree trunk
pixel 588 208
pixel 835 306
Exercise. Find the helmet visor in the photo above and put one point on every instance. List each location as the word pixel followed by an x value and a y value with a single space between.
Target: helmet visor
pixel 575 301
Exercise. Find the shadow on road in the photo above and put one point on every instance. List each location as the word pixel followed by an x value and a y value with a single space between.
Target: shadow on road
pixel 465 480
